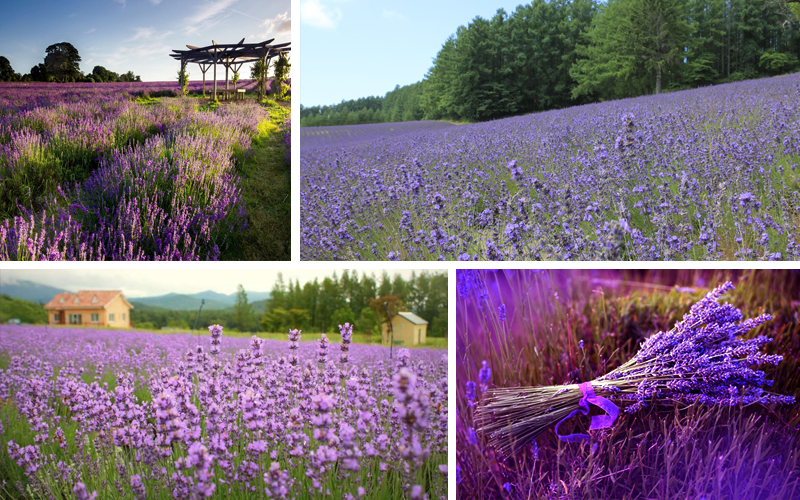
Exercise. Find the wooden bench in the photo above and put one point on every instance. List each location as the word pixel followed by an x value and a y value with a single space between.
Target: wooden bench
pixel 240 94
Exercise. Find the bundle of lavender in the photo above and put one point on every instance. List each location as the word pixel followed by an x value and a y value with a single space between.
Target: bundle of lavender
pixel 703 359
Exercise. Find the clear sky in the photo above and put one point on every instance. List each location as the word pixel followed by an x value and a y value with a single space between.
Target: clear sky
pixel 148 283
pixel 135 35
pixel 358 48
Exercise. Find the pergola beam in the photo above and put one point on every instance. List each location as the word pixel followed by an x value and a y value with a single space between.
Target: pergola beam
pixel 229 55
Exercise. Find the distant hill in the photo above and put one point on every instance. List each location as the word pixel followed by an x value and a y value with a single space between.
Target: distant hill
pixel 30 291
pixel 179 302
pixel 23 310
pixel 41 294
pixel 191 302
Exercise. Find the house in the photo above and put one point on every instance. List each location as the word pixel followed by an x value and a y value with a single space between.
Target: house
pixel 409 329
pixel 93 308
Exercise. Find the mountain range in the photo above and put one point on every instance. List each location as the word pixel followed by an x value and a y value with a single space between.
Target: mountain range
pixel 41 294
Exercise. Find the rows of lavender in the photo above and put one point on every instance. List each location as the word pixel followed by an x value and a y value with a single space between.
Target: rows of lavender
pixel 90 174
pixel 705 174
pixel 705 409
pixel 112 414
pixel 12 91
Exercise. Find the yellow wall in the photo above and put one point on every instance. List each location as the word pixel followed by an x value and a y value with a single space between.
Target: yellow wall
pixel 86 316
pixel 405 331
pixel 118 308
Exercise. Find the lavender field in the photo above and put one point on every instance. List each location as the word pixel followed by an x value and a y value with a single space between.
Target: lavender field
pixel 598 384
pixel 106 172
pixel 705 174
pixel 126 414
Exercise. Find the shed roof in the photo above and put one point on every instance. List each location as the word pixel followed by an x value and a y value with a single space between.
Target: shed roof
pixel 412 318
pixel 85 299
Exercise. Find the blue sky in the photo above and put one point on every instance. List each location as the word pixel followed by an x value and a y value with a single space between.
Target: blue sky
pixel 135 35
pixel 357 48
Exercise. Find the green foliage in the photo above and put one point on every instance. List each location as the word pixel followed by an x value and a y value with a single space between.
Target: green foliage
pixel 367 322
pixel 778 63
pixel 243 311
pixel 258 72
pixel 25 311
pixel 7 73
pixel 554 54
pixel 281 72
pixel 39 73
pixel 401 104
pixel 235 78
pixel 346 298
pixel 62 61
pixel 183 79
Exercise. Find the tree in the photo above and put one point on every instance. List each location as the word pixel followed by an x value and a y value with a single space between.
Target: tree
pixel 62 62
pixel 628 42
pixel 39 73
pixel 661 32
pixel 281 72
pixel 7 73
pixel 258 72
pixel 183 79
pixel 243 311
pixel 104 75
pixel 366 322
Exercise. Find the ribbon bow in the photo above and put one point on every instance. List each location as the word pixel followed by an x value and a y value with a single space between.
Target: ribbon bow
pixel 598 421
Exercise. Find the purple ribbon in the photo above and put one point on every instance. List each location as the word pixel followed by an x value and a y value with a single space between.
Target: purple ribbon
pixel 598 421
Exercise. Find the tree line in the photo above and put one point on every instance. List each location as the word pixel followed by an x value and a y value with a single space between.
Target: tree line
pixel 399 105
pixel 559 53
pixel 62 64
pixel 320 306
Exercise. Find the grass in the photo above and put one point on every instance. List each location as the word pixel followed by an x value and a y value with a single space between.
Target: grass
pixel 334 338
pixel 662 452
pixel 266 187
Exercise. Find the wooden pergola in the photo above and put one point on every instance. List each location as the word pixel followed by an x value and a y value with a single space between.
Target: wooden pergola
pixel 229 55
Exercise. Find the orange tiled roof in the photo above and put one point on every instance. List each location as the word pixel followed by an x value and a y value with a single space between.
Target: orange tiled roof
pixel 86 299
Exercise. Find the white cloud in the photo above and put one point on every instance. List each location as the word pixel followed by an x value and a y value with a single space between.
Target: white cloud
pixel 316 13
pixel 147 33
pixel 91 31
pixel 281 23
pixel 387 14
pixel 155 2
pixel 207 15
pixel 121 2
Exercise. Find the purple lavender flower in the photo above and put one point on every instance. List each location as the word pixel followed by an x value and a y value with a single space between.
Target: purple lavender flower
pixel 484 375
pixel 216 334
pixel 81 494
pixel 346 331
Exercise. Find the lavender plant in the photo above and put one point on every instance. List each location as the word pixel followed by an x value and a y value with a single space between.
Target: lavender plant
pixel 126 414
pixel 87 173
pixel 705 174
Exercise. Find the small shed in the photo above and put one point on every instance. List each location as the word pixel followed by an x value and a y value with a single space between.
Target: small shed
pixel 93 308
pixel 409 329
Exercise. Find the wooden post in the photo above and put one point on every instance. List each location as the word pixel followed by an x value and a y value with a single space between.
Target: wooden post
pixel 215 74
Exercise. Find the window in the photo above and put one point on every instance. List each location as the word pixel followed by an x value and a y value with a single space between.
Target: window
pixel 123 316
pixel 75 319
pixel 95 318
pixel 111 317
pixel 56 317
